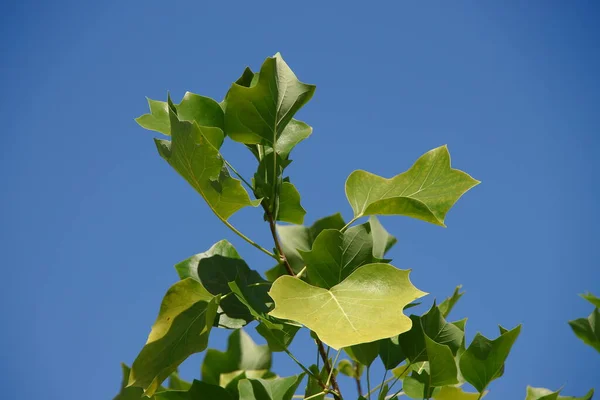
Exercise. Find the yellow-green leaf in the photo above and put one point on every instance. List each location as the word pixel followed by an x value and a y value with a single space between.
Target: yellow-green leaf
pixel 456 393
pixel 426 191
pixel 365 307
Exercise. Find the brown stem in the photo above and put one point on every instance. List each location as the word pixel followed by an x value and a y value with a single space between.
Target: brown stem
pixel 357 377
pixel 290 271
pixel 328 367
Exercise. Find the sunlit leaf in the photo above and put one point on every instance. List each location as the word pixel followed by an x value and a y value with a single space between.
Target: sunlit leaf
pixel 347 368
pixel 483 361
pixel 588 329
pixel 546 394
pixel 365 307
pixel 200 163
pixel 242 355
pixel 272 389
pixel 181 329
pixel 382 240
pixel 448 304
pixel 591 298
pixel 426 191
pixel 290 209
pixel 455 393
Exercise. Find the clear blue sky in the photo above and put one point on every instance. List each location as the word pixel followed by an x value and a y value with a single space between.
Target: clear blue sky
pixel 92 220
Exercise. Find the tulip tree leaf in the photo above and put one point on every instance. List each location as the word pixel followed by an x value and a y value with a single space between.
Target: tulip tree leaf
pixel 546 394
pixel 335 255
pixel 352 370
pixel 364 353
pixel 259 113
pixel 198 391
pixel 242 355
pixel 365 307
pixel 426 191
pixel 200 163
pixel 313 387
pixel 390 352
pixel 295 238
pixel 591 298
pixel 203 110
pixel 129 393
pixel 483 361
pixel 176 383
pixel 436 328
pixel 417 385
pixel 277 339
pixel 455 393
pixel 182 328
pixel 382 240
pixel 215 268
pixel 442 367
pixel 448 304
pixel 588 329
pixel 272 389
pixel 290 209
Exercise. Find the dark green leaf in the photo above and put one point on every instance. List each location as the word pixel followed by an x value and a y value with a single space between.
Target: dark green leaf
pixel 313 386
pixel 272 389
pixel 181 329
pixel 335 255
pixel 588 330
pixel 364 353
pixel 290 209
pixel 484 359
pixel 200 163
pixel 390 352
pixel 417 386
pixel 198 391
pixel 176 383
pixel 242 355
pixel 442 366
pixel 277 339
pixel 426 191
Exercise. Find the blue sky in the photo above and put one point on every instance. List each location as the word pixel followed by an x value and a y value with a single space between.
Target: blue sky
pixel 92 220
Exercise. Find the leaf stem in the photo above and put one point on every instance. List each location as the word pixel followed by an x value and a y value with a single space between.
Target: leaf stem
pixel 382 383
pixel 282 258
pixel 331 369
pixel 357 378
pixel 350 223
pixel 328 367
pixel 237 173
pixel 246 238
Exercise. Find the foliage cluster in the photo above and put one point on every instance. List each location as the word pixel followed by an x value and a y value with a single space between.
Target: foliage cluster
pixel 332 277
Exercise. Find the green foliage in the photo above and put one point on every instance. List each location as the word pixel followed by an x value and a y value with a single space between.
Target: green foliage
pixel 332 277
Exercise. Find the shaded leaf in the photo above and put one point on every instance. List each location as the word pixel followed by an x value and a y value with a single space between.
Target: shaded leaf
pixel 335 255
pixel 242 355
pixel 426 191
pixel 442 367
pixel 215 268
pixel 347 368
pixel 364 353
pixel 272 389
pixel 181 329
pixel 129 393
pixel 198 391
pixel 417 386
pixel 176 383
pixel 294 238
pixel 484 359
pixel 200 163
pixel 382 240
pixel 588 329
pixel 277 339
pixel 390 352
pixel 365 307
pixel 313 386
pixel 448 304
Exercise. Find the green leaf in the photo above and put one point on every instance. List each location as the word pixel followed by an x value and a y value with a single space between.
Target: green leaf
pixel 242 355
pixel 365 307
pixel 200 163
pixel 260 113
pixel 364 353
pixel 335 255
pixel 313 386
pixel 294 238
pixel 442 367
pixel 198 391
pixel 417 386
pixel 436 328
pixel 591 298
pixel 546 394
pixel 176 383
pixel 278 339
pixel 484 359
pixel 390 352
pixel 290 209
pixel 588 330
pixel 129 393
pixel 203 110
pixel 448 304
pixel 215 268
pixel 181 329
pixel 426 191
pixel 272 389
pixel 455 393
pixel 382 240
pixel 347 368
